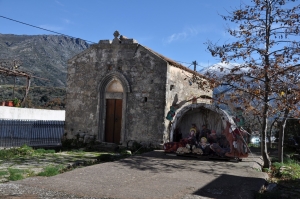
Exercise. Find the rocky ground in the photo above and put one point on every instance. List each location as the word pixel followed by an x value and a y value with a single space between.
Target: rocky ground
pixel 31 166
pixel 72 160
pixel 15 191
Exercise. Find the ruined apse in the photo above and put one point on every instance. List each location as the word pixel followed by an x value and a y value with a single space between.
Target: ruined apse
pixel 120 90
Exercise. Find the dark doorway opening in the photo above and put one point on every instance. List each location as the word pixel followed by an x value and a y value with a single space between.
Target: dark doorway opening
pixel 113 120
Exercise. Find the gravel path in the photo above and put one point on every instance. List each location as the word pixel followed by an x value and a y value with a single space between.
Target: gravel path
pixel 16 191
pixel 149 176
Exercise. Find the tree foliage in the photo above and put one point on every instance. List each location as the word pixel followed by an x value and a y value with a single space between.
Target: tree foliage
pixel 266 82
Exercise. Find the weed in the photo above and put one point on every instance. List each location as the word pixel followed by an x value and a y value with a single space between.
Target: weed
pixel 16 152
pixel 29 173
pixel 44 151
pixel 15 174
pixel 267 170
pixel 288 170
pixel 3 173
pixel 51 171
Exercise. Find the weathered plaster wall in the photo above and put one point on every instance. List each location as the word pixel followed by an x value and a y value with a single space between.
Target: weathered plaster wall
pixel 145 73
pixel 178 80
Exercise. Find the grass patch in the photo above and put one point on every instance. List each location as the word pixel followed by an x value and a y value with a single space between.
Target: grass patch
pixel 287 177
pixel 288 170
pixel 16 152
pixel 3 173
pixel 53 163
pixel 15 174
pixel 23 151
pixel 51 171
pixel 44 151
pixel 253 145
pixel 29 173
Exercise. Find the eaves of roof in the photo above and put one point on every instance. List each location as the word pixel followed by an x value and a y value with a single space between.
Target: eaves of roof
pixel 168 60
pixel 174 63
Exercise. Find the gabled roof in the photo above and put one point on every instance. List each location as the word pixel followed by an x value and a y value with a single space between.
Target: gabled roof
pixel 174 63
pixel 131 41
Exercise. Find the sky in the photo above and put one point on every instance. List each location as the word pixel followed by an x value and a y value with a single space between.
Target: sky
pixel 176 29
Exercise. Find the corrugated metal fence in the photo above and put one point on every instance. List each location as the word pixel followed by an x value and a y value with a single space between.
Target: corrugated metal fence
pixel 30 132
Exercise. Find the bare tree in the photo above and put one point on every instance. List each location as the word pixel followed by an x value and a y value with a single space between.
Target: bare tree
pixel 287 102
pixel 265 42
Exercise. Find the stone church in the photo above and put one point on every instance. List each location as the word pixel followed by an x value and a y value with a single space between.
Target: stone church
pixel 120 90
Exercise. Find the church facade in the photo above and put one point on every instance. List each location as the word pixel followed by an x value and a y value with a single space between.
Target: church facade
pixel 120 90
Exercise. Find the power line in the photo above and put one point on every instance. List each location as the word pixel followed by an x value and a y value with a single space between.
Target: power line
pixel 46 29
pixel 189 63
pixel 193 63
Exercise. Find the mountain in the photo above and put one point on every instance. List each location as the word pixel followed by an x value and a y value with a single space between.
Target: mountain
pixel 44 56
pixel 216 68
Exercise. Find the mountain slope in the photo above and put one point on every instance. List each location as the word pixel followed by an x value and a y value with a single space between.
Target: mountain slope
pixel 44 56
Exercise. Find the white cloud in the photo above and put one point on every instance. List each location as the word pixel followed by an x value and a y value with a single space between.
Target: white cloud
pixel 59 3
pixel 50 27
pixel 67 21
pixel 186 34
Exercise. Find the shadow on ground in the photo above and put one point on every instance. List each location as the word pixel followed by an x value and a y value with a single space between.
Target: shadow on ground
pixel 227 186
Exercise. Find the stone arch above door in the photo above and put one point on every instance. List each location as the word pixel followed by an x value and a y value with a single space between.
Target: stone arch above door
pixel 215 118
pixel 117 86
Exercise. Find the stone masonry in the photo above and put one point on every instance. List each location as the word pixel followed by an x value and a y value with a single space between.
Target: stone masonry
pixel 144 80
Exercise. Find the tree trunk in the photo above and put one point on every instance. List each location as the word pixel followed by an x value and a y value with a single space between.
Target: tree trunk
pixel 270 135
pixel 269 140
pixel 266 158
pixel 26 92
pixel 281 136
pixel 264 149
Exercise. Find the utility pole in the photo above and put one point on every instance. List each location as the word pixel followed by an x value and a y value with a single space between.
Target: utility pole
pixel 16 64
pixel 195 64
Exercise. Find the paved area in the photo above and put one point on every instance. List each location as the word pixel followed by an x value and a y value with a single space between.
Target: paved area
pixel 155 175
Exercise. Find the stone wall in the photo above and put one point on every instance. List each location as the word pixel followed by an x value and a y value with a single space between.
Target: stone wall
pixel 146 102
pixel 178 83
pixel 145 74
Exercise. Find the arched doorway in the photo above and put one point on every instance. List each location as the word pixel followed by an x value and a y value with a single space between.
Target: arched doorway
pixel 113 121
pixel 113 90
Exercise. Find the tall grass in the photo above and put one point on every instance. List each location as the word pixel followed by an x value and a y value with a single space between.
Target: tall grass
pixel 289 169
pixel 15 174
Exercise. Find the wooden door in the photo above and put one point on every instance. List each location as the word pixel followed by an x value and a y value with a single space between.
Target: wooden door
pixel 113 120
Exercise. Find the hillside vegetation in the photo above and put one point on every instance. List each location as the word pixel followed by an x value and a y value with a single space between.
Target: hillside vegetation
pixel 38 96
pixel 43 56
